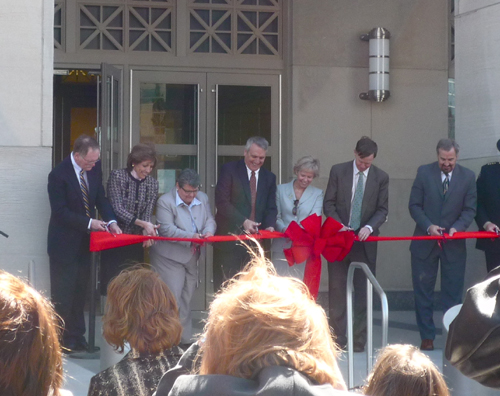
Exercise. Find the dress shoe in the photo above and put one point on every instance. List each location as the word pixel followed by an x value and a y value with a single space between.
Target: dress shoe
pixel 358 347
pixel 427 345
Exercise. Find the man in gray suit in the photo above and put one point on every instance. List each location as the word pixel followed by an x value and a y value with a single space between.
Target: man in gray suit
pixel 357 197
pixel 184 212
pixel 442 199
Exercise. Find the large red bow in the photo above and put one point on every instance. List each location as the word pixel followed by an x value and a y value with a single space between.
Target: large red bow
pixel 311 241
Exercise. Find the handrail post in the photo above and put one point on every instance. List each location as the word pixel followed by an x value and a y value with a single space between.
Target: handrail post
pixel 371 282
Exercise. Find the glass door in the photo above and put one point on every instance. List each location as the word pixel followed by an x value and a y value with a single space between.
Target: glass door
pixel 201 121
pixel 110 111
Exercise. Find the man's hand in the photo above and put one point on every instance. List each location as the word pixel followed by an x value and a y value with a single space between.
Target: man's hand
pixel 491 227
pixel 251 226
pixel 345 228
pixel 452 231
pixel 98 225
pixel 270 229
pixel 436 230
pixel 206 235
pixel 114 229
pixel 364 233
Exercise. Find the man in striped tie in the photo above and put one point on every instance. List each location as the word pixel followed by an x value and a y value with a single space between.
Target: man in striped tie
pixel 357 197
pixel 75 190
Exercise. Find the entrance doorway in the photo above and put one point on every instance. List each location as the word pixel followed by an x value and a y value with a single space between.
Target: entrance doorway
pixel 201 121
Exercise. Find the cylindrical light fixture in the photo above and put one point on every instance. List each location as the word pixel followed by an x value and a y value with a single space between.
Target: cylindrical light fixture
pixel 378 39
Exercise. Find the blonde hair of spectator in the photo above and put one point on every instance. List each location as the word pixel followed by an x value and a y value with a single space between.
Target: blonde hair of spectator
pixel 404 370
pixel 259 319
pixel 30 352
pixel 141 310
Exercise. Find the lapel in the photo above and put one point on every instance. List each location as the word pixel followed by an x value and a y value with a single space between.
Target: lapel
pixel 370 188
pixel 436 175
pixel 289 193
pixel 241 170
pixel 71 176
pixel 347 186
pixel 307 194
pixel 454 182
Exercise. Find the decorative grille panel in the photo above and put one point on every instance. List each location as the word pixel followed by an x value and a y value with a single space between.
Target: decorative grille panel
pixel 58 25
pixel 250 27
pixel 101 27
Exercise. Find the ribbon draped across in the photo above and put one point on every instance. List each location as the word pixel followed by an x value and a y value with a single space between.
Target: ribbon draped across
pixel 309 243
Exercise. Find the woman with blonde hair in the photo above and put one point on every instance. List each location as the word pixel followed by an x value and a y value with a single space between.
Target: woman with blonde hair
pixel 141 311
pixel 264 334
pixel 30 353
pixel 402 370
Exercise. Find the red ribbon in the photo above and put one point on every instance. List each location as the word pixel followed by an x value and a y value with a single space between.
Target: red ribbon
pixel 313 240
pixel 309 243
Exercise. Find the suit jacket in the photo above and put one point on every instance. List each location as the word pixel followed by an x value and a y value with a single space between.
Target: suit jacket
pixel 233 200
pixel 310 202
pixel 175 222
pixel 428 205
pixel 488 202
pixel 375 206
pixel 68 222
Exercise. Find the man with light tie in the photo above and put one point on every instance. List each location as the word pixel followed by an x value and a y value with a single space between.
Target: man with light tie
pixel 357 197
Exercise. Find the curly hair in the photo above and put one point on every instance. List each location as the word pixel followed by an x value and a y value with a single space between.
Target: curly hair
pixel 142 311
pixel 30 353
pixel 404 370
pixel 260 319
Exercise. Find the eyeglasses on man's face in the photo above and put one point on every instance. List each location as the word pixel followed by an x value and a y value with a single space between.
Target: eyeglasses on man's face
pixel 190 191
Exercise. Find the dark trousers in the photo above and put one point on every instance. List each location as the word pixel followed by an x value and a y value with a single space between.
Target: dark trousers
pixel 424 273
pixel 492 258
pixel 69 280
pixel 337 287
pixel 230 258
pixel 113 261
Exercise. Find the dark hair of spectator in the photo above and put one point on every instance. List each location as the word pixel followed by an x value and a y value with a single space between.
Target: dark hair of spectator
pixel 141 152
pixel 142 311
pixel 30 353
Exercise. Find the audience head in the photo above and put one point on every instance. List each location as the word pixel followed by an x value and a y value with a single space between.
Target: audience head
pixel 404 370
pixel 259 319
pixel 364 153
pixel 30 353
pixel 141 156
pixel 306 169
pixel 141 310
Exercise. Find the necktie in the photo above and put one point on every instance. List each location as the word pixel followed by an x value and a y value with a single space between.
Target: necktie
pixel 446 183
pixel 357 202
pixel 85 194
pixel 253 194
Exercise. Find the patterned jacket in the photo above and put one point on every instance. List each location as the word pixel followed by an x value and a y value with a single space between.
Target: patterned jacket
pixel 131 199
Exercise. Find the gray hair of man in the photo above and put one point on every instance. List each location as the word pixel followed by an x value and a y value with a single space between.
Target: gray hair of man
pixel 447 144
pixel 259 141
pixel 188 177
pixel 307 163
pixel 83 144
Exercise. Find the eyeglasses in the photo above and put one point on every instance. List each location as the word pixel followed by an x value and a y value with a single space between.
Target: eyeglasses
pixel 295 207
pixel 190 191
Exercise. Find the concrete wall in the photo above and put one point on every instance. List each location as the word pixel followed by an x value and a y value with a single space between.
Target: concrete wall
pixel 330 69
pixel 26 39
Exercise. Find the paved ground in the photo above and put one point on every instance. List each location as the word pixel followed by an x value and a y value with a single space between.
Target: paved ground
pixel 402 329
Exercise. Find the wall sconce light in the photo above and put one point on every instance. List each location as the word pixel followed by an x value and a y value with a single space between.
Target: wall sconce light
pixel 378 39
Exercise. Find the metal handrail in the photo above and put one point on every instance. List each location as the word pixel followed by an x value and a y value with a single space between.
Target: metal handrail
pixel 371 282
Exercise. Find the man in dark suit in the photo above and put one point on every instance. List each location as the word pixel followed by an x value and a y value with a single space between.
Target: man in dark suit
pixel 75 190
pixel 442 199
pixel 245 198
pixel 488 213
pixel 356 196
